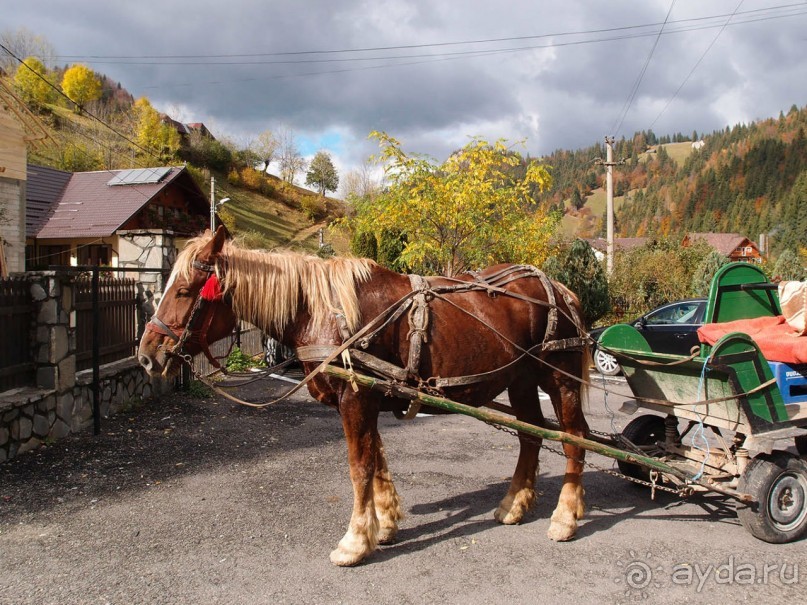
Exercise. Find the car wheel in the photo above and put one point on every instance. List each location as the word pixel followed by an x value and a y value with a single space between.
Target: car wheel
pixel 605 363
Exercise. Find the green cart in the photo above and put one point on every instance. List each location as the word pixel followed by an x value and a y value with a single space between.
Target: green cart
pixel 724 413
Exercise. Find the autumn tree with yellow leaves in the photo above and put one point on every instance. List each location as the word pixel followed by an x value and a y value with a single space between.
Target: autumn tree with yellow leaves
pixel 467 213
pixel 152 135
pixel 81 85
pixel 33 81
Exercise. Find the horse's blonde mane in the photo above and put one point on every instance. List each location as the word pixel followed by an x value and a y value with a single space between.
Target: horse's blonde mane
pixel 269 289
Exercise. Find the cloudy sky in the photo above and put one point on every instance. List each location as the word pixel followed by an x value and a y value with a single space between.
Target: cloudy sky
pixel 557 73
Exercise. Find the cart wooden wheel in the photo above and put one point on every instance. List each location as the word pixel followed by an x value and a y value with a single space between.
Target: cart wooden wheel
pixel 779 484
pixel 642 431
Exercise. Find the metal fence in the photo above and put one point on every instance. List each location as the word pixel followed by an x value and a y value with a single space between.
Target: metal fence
pixel 117 314
pixel 16 350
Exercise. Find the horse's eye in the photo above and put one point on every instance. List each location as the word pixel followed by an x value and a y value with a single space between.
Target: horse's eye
pixel 183 293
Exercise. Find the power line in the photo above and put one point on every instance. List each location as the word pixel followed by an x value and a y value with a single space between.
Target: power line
pixel 640 77
pixel 771 9
pixel 455 56
pixel 695 66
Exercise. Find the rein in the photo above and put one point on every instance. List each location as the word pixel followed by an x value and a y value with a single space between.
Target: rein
pixel 422 291
pixel 210 292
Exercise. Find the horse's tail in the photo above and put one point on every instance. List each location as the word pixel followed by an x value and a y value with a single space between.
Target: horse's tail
pixel 576 317
pixel 585 374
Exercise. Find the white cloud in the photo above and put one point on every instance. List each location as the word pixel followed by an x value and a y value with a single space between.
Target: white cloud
pixel 433 98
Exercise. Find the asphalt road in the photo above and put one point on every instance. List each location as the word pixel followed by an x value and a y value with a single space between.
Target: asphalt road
pixel 201 501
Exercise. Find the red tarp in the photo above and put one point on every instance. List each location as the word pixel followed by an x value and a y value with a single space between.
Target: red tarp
pixel 774 337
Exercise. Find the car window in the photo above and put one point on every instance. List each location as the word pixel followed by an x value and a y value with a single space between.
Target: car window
pixel 680 313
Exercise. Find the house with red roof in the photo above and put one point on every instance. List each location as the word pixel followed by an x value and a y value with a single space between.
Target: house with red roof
pixel 733 246
pixel 136 217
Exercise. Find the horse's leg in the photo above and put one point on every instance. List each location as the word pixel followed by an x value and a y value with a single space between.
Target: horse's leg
pixel 360 423
pixel 385 497
pixel 524 398
pixel 565 393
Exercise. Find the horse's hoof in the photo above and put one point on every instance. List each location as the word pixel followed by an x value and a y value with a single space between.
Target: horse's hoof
pixel 562 528
pixel 343 558
pixel 512 509
pixel 386 535
pixel 511 516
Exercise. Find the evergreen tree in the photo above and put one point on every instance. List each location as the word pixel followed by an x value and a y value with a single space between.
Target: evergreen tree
pixel 705 271
pixel 364 245
pixel 788 267
pixel 580 271
pixel 390 247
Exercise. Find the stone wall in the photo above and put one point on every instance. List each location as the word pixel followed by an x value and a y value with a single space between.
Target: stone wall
pixel 146 249
pixel 61 401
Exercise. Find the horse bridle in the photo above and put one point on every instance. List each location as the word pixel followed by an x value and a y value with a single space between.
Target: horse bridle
pixel 201 308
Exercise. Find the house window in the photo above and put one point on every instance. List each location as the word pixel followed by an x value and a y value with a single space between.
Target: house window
pixel 94 255
pixel 53 255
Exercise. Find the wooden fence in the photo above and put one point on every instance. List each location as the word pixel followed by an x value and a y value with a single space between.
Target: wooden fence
pixel 117 314
pixel 249 339
pixel 16 351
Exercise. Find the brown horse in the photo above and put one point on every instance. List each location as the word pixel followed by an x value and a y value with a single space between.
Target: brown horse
pixel 518 333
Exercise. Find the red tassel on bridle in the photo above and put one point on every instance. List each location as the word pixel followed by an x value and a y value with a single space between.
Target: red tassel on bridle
pixel 212 289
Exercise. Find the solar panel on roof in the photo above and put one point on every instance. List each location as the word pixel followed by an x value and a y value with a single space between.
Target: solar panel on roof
pixel 139 176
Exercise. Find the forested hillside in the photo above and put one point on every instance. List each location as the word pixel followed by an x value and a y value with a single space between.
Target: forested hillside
pixel 749 179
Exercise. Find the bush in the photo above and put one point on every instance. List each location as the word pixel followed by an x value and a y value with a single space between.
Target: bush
pixel 254 239
pixel 314 207
pixel 238 361
pixel 198 390
pixel 654 274
pixel 76 157
pixel 250 178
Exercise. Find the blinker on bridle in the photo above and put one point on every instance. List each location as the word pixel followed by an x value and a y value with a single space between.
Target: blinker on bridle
pixel 210 292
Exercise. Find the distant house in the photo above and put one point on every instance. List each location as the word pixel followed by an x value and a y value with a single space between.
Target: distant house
pixel 186 130
pixel 110 217
pixel 621 244
pixel 733 246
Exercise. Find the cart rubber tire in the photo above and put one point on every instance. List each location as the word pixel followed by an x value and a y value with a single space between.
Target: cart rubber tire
pixel 642 430
pixel 779 484
pixel 801 444
pixel 605 363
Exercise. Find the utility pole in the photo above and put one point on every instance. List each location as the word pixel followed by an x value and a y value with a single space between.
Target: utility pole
pixel 609 202
pixel 213 204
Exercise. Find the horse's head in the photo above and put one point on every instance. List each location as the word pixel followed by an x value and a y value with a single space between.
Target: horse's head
pixel 191 315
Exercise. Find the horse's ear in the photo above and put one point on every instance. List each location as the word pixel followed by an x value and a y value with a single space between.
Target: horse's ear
pixel 215 245
pixel 219 238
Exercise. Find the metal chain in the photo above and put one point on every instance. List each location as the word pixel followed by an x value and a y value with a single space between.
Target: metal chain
pixel 653 484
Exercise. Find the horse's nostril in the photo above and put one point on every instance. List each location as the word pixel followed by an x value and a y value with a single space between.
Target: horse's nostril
pixel 145 361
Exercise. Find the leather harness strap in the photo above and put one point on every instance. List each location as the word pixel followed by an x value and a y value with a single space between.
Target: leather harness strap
pixel 417 303
pixel 418 325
